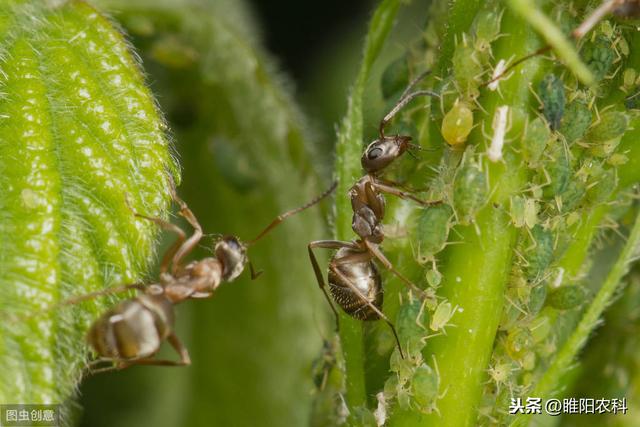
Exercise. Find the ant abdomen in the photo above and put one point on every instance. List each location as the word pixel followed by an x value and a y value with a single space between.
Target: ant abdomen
pixel 364 276
pixel 133 329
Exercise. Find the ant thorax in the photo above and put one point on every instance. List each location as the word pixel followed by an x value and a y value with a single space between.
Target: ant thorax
pixel 233 256
pixel 381 152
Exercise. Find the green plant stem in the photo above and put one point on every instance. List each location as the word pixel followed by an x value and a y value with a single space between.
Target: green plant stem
pixel 547 385
pixel 553 35
pixel 348 150
pixel 476 272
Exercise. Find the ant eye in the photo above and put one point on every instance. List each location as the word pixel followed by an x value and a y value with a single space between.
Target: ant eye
pixel 374 153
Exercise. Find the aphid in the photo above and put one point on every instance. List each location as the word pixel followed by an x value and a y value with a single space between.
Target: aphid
pixel 354 280
pixel 518 343
pixel 469 191
pixel 432 230
pixel 599 56
pixel 534 141
pixel 567 297
pixel 457 124
pixel 551 92
pixel 467 69
pixel 606 133
pixel 425 386
pixel 558 171
pixel 524 212
pixel 131 332
pixel 486 27
pixel 540 256
pixel 577 119
pixel 441 317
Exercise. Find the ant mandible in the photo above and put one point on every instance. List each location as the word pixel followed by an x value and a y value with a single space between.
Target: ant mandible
pixel 131 332
pixel 354 280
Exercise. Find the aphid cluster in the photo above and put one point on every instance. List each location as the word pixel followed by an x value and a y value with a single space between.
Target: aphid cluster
pixel 131 332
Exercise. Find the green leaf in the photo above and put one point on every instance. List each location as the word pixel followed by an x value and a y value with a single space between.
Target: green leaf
pixel 78 131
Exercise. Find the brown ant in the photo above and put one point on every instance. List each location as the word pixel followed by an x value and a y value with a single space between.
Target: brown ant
pixel 354 280
pixel 131 332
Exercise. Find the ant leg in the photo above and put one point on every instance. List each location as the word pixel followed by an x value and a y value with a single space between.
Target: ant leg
pixel 377 253
pixel 108 291
pixel 404 194
pixel 165 225
pixel 187 214
pixel 401 104
pixel 325 244
pixel 254 274
pixel 351 258
pixel 175 342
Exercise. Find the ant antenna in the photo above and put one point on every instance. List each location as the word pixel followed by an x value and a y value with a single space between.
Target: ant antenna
pixel 406 97
pixel 287 214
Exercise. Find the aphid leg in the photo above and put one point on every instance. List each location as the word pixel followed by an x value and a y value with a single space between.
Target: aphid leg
pixel 192 242
pixel 355 258
pixel 325 244
pixel 377 253
pixel 403 194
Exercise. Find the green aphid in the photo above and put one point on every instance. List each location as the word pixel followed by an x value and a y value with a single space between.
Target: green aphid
pixel 424 386
pixel 523 211
pixel 469 192
pixel 599 56
pixel 551 93
pixel 567 297
pixel 600 185
pixel 537 297
pixel 576 121
pixel 606 134
pixel 410 322
pixel 486 27
pixel 534 141
pixel 558 170
pixel 395 78
pixel 433 229
pixel 572 195
pixel 467 69
pixel 519 342
pixel 540 327
pixel 540 256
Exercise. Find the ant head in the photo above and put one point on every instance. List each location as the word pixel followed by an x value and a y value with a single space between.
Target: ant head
pixel 233 255
pixel 381 152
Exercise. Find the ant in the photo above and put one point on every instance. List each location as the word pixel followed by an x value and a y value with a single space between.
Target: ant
pixel 131 332
pixel 354 280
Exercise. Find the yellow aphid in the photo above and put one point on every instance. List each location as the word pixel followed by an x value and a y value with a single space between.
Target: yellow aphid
pixel 457 124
